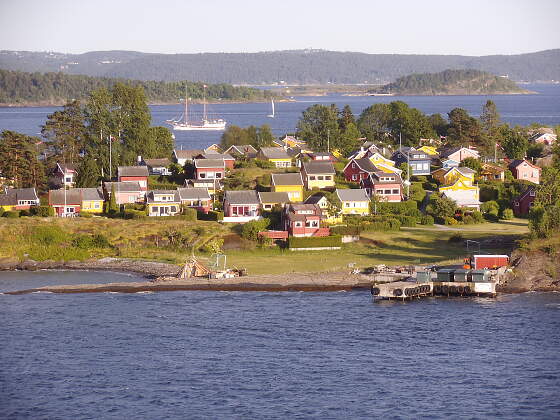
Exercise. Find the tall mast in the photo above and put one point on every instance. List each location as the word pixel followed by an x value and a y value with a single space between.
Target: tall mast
pixel 186 103
pixel 204 103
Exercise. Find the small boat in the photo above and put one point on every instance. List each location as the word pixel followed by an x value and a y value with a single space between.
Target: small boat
pixel 272 105
pixel 205 124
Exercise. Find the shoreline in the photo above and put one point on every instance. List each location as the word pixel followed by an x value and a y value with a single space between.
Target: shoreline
pixel 162 277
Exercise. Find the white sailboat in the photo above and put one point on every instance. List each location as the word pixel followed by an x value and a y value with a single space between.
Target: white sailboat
pixel 205 124
pixel 272 104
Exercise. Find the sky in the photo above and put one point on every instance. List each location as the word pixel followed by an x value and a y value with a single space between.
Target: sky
pixel 468 27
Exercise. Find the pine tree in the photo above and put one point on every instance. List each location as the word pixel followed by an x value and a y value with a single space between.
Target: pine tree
pixel 19 162
pixel 65 132
pixel 88 173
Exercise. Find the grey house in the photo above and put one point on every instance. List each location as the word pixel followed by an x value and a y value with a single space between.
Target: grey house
pixel 419 162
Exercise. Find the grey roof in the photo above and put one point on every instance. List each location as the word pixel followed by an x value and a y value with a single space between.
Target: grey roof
pixel 187 154
pixel 465 170
pixel 242 197
pixel 133 171
pixel 365 164
pixel 209 163
pixel 243 149
pixel 125 186
pixel 444 153
pixel 11 196
pixel 291 178
pixel 73 197
pixel 318 167
pixel 352 195
pixel 91 193
pixel 218 156
pixel 376 178
pixel 314 199
pixel 274 153
pixel 157 162
pixel 193 193
pixel 274 197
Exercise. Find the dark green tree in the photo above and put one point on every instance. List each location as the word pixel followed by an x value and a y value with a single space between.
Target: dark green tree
pixel 514 143
pixel 89 173
pixel 472 163
pixel 19 161
pixel 463 129
pixel 490 119
pixel 442 207
pixel 374 121
pixel 318 126
pixel 349 140
pixel 439 124
pixel 65 132
pixel 346 117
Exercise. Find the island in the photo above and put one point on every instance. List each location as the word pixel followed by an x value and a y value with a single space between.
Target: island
pixel 450 82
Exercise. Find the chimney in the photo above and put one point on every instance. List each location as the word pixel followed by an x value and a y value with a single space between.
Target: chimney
pixel 139 160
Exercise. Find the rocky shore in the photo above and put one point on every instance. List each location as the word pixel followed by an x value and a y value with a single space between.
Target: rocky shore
pixel 532 271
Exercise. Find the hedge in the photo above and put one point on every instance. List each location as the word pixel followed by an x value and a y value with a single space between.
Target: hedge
pixel 211 215
pixel 190 214
pixel 346 230
pixel 134 214
pixel 315 242
pixel 408 221
pixel 11 214
pixel 405 208
pixel 427 220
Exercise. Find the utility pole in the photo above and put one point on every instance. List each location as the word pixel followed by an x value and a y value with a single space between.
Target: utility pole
pixel 110 159
pixel 328 140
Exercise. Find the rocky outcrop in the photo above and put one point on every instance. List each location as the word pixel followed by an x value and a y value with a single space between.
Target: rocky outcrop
pixel 533 271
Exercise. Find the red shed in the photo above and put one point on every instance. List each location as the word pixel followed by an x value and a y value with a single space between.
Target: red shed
pixel 489 261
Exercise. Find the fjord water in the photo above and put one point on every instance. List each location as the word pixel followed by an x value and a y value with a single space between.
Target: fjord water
pixel 543 108
pixel 192 355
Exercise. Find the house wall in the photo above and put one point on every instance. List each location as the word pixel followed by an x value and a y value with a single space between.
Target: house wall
pixel 281 163
pixel 526 172
pixel 295 192
pixel 382 192
pixel 92 206
pixel 210 173
pixel 309 227
pixel 462 154
pixel 142 180
pixel 240 210
pixel 163 209
pixel 318 181
pixel 203 206
pixel 521 207
pixel 353 173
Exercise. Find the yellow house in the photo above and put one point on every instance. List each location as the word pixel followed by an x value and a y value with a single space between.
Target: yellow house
pixel 92 200
pixel 384 164
pixel 353 201
pixel 318 174
pixel 290 183
pixel 463 193
pixel 429 150
pixel 276 155
pixel 461 173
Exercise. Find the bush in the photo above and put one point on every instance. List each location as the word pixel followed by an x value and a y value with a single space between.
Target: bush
pixel 265 164
pixel 49 235
pixel 490 207
pixel 91 241
pixel 477 216
pixel 427 220
pixel 134 214
pixel 211 215
pixel 405 208
pixel 456 237
pixel 11 214
pixel 190 214
pixel 24 213
pixel 346 230
pixel 1 211
pixel 86 214
pixel 315 241
pixel 468 220
pixel 42 211
pixel 507 214
pixel 250 230
pixel 407 221
pixel 451 221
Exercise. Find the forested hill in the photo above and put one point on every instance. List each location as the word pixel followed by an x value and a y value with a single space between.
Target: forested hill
pixel 19 88
pixel 451 82
pixel 299 66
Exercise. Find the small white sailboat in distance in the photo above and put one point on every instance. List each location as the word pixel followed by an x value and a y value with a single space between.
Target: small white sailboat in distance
pixel 272 104
pixel 205 124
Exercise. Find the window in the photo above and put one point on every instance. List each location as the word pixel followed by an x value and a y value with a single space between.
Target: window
pixel 532 193
pixel 131 199
pixel 97 205
pixel 353 164
pixel 395 191
pixel 387 192
pixel 426 166
pixel 312 177
pixel 173 209
pixel 517 204
pixel 320 177
pixel 68 179
pixel 155 209
pixel 218 175
pixel 297 224
pixel 70 209
pixel 354 177
pixel 347 204
pixel 202 175
pixel 328 178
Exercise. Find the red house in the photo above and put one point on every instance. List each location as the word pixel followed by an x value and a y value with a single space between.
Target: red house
pixel 386 187
pixel 241 206
pixel 358 169
pixel 209 169
pixel 66 203
pixel 229 160
pixel 134 174
pixel 523 203
pixel 524 170
pixel 304 220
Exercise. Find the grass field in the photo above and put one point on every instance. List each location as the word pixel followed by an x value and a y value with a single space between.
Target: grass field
pixel 149 239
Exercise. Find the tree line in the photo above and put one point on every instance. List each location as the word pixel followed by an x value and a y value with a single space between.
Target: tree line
pixel 18 87
pixel 110 129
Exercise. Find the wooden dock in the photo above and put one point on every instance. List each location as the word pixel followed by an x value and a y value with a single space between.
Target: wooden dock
pixel 403 290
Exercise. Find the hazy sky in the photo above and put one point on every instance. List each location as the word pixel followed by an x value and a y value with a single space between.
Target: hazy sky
pixel 468 27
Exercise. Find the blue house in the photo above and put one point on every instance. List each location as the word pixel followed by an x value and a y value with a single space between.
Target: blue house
pixel 419 162
pixel 449 163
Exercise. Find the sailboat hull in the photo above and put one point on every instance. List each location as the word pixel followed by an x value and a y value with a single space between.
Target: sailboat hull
pixel 205 126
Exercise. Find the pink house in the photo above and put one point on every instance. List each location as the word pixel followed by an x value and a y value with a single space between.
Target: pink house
pixel 525 170
pixel 134 174
pixel 386 187
pixel 304 220
pixel 125 192
pixel 209 169
pixel 458 154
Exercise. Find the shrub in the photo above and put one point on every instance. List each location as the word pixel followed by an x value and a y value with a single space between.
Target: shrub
pixel 211 215
pixel 1 211
pixel 250 230
pixel 264 164
pixel 456 237
pixel 477 216
pixel 42 211
pixel 11 214
pixel 346 230
pixel 134 214
pixel 407 221
pixel 468 220
pixel 190 214
pixel 90 241
pixel 49 235
pixel 507 214
pixel 427 220
pixel 405 208
pixel 86 214
pixel 490 207
pixel 451 221
pixel 25 213
pixel 315 241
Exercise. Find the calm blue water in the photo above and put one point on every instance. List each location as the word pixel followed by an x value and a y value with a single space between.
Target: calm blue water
pixel 514 109
pixel 199 355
